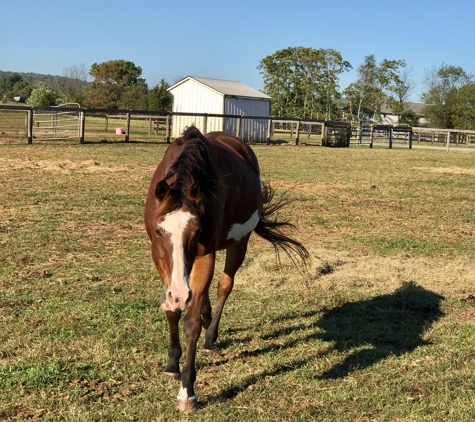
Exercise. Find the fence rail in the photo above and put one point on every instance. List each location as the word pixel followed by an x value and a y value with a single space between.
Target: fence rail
pixel 42 123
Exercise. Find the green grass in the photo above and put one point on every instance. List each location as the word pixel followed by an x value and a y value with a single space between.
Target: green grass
pixel 375 330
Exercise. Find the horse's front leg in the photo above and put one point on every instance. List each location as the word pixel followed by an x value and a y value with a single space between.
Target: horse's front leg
pixel 234 258
pixel 200 278
pixel 172 371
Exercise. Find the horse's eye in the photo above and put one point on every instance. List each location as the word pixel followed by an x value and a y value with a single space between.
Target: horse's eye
pixel 158 232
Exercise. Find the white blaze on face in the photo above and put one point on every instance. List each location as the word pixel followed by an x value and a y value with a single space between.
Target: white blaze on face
pixel 175 224
pixel 238 231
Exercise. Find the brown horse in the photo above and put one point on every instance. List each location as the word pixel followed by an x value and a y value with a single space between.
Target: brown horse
pixel 206 195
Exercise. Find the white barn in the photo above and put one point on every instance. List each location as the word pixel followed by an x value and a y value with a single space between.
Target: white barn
pixel 216 96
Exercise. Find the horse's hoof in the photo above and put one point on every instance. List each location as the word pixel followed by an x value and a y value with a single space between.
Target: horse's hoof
pixel 171 377
pixel 190 405
pixel 212 352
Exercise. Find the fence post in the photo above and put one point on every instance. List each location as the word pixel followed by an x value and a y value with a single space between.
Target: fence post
pixel 371 136
pixel 239 125
pixel 168 129
pixel 297 135
pixel 448 140
pixel 82 123
pixel 391 138
pixel 410 139
pixel 360 134
pixel 30 125
pixel 269 131
pixel 205 122
pixel 127 133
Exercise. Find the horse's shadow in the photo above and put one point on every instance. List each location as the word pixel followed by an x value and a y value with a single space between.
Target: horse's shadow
pixel 391 324
pixel 365 332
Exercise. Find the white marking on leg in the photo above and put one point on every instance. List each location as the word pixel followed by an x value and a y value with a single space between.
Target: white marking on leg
pixel 238 231
pixel 183 395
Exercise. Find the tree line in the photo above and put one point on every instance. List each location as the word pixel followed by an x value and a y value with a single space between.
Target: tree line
pixel 116 84
pixel 303 83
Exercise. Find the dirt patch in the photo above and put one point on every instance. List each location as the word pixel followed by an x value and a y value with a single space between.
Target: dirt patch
pixel 100 390
pixel 448 170
pixel 463 316
pixel 101 227
pixel 62 166
pixel 312 187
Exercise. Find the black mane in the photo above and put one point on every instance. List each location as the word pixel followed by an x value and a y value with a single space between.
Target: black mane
pixel 197 163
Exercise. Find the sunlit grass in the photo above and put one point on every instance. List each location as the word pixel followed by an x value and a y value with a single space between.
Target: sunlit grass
pixel 375 329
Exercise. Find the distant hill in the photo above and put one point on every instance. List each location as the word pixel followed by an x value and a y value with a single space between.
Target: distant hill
pixel 51 80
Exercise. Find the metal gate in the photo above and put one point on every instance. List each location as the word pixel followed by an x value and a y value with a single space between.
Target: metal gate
pixel 57 124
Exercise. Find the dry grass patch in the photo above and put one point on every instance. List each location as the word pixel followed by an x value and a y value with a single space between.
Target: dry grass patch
pixel 450 170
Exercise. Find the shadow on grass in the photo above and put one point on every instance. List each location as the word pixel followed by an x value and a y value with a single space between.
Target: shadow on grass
pixel 391 324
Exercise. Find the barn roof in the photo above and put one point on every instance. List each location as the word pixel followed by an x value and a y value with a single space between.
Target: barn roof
pixel 227 88
pixel 416 107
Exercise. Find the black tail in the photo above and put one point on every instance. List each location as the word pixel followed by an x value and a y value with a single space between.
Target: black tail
pixel 272 230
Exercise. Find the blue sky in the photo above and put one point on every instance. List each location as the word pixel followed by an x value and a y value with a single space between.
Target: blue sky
pixel 227 39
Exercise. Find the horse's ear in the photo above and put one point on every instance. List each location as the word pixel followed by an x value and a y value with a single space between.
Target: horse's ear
pixel 194 193
pixel 161 190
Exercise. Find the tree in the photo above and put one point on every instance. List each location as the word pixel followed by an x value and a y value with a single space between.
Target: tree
pixel 373 85
pixel 464 107
pixel 110 80
pixel 409 117
pixel 440 95
pixel 7 83
pixel 22 89
pixel 42 96
pixel 159 98
pixel 399 91
pixel 134 96
pixel 72 87
pixel 13 86
pixel 303 82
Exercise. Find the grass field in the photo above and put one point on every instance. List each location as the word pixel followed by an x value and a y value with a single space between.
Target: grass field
pixel 381 327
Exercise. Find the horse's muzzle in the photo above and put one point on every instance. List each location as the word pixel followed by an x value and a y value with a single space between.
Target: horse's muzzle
pixel 175 299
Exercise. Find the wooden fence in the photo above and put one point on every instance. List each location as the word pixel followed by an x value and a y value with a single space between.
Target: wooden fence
pixel 65 123
pixel 389 134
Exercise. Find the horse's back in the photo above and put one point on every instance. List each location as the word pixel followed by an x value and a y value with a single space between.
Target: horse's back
pixel 237 146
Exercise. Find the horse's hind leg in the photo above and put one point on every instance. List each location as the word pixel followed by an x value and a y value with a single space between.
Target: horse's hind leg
pixel 234 258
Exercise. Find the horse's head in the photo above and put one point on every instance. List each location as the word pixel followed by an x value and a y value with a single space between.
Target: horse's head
pixel 175 241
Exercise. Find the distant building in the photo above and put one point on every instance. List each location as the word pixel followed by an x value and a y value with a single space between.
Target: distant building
pixel 389 118
pixel 216 96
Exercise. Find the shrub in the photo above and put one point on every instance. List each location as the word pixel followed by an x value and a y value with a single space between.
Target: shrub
pixel 42 96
